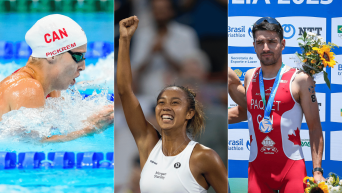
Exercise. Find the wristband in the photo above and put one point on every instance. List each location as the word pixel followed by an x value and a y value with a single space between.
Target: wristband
pixel 317 169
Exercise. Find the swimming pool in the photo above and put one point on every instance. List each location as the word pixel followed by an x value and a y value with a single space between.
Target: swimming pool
pixel 64 180
pixel 98 76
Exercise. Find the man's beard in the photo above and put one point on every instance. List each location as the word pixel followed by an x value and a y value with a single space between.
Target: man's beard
pixel 270 60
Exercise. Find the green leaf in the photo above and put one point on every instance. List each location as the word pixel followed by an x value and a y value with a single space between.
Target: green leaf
pixel 326 79
pixel 304 35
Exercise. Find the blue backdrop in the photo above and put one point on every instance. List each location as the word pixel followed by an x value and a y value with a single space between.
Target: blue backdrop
pixel 323 17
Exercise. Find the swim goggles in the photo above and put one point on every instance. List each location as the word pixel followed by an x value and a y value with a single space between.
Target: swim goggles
pixel 77 56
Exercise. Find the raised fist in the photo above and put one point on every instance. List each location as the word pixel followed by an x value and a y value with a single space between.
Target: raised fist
pixel 128 27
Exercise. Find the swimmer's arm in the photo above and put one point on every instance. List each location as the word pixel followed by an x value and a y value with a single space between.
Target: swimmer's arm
pixel 94 124
pixel 235 88
pixel 26 93
pixel 143 132
pixel 210 165
pixel 308 102
pixel 64 138
pixel 237 114
pixel 70 136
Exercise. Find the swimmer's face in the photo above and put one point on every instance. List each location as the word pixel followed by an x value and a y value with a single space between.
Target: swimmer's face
pixel 172 110
pixel 67 70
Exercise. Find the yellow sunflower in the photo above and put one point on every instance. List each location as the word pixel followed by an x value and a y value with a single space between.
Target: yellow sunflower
pixel 307 177
pixel 307 190
pixel 326 56
pixel 305 60
pixel 324 187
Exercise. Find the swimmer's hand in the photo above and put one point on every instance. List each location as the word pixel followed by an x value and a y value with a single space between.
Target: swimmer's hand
pixel 128 27
pixel 97 123
pixel 101 120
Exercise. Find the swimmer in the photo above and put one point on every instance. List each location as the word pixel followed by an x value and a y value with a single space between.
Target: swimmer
pixel 58 46
pixel 170 161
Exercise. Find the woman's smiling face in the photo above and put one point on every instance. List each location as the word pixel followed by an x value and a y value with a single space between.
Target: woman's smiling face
pixel 172 108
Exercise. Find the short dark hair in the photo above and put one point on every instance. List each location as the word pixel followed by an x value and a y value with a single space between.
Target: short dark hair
pixel 268 24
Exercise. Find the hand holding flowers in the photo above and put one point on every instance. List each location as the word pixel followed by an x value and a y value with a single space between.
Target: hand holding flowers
pixel 316 55
pixel 332 185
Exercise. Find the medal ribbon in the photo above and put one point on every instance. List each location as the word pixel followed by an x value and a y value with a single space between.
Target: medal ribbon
pixel 269 105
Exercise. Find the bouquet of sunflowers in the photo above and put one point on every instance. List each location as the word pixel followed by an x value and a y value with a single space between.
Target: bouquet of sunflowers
pixel 332 185
pixel 316 55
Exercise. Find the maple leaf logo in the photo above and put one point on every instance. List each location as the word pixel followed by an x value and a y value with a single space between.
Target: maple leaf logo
pixel 295 138
pixel 250 138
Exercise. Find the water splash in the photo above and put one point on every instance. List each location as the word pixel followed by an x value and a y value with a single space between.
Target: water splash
pixel 58 116
pixel 102 73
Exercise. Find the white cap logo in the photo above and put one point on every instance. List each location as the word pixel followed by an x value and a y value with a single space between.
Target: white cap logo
pixel 53 35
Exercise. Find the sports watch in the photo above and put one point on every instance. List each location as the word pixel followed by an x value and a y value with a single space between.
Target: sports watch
pixel 317 169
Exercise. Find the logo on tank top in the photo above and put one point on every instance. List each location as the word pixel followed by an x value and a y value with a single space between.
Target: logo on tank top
pixel 268 146
pixel 159 175
pixel 177 165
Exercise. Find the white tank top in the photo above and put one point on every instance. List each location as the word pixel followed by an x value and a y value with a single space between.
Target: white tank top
pixel 169 174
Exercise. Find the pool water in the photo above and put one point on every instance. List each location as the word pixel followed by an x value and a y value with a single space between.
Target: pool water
pixel 98 76
pixel 65 180
pixel 57 180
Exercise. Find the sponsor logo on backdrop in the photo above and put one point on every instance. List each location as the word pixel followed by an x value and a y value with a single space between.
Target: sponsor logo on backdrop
pixel 293 2
pixel 339 31
pixel 240 31
pixel 248 145
pixel 250 32
pixel 240 72
pixel 235 144
pixel 316 30
pixel 238 144
pixel 236 31
pixel 305 142
pixel 289 31
pixel 336 31
pixel 294 27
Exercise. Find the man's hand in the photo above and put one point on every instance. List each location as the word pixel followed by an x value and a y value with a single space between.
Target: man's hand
pixel 318 176
pixel 128 27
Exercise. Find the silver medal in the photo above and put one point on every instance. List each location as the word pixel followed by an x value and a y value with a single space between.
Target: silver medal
pixel 265 125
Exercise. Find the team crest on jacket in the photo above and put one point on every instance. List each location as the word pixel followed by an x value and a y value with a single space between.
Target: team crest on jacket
pixel 268 146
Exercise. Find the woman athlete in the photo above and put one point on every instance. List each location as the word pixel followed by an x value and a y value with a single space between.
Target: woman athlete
pixel 170 162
